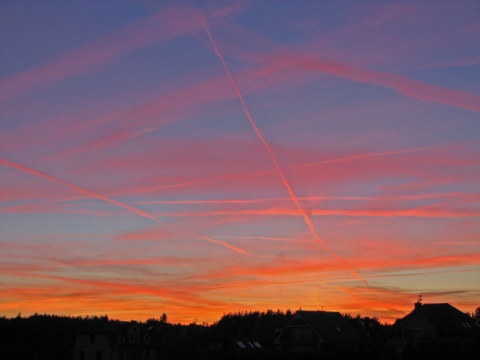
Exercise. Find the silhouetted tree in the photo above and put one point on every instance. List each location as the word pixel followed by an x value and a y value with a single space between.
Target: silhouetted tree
pixel 476 315
pixel 163 319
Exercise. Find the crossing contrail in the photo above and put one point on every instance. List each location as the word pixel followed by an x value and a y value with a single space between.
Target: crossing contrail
pixel 95 195
pixel 270 152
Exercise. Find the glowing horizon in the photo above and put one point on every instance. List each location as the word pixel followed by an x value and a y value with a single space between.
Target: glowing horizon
pixel 207 158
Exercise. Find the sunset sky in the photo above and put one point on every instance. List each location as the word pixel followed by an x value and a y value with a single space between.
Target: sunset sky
pixel 196 158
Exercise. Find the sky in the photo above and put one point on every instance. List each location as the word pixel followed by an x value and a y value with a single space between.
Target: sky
pixel 196 158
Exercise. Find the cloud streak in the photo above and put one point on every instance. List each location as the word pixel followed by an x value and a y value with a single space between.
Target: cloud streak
pixel 141 169
pixel 160 27
pixel 271 154
pixel 411 88
pixel 94 195
pixel 77 189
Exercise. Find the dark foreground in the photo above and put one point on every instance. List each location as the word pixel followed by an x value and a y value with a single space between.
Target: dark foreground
pixel 434 331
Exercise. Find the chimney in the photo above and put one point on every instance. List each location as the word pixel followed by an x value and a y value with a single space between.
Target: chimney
pixel 418 304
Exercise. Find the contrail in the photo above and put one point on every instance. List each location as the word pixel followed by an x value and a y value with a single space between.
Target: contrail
pixel 77 189
pixel 270 152
pixel 361 156
pixel 108 200
pixel 408 87
pixel 236 249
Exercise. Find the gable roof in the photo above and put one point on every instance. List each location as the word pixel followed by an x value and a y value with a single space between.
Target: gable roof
pixel 330 326
pixel 444 317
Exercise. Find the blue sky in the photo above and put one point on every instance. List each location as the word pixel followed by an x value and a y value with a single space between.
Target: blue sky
pixel 196 158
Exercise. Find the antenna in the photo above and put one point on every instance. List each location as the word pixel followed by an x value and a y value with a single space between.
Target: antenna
pixel 420 299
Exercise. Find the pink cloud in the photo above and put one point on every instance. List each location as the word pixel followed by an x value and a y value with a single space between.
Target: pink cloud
pixel 424 164
pixel 273 157
pixel 312 61
pixel 163 26
pixel 94 195
pixel 76 188
pixel 403 85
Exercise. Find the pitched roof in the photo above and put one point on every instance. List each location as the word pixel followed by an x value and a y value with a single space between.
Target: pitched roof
pixel 330 326
pixel 445 318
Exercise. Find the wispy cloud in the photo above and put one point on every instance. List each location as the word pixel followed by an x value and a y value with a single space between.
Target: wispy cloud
pixel 272 156
pixel 107 199
pixel 203 165
pixel 77 189
pixel 409 87
pixel 159 27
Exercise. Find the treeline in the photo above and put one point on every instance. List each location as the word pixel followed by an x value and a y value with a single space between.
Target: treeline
pixel 35 336
pixel 45 336
pixel 39 337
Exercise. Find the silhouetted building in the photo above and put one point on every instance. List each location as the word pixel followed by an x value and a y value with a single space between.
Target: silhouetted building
pixel 235 343
pixel 313 332
pixel 435 325
pixel 130 342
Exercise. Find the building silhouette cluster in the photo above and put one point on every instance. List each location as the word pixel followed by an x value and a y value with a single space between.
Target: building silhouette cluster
pixel 429 331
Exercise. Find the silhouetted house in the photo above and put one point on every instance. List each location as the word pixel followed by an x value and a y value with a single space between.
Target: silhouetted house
pixel 185 342
pixel 248 335
pixel 313 332
pixel 226 344
pixel 369 329
pixel 129 342
pixel 373 335
pixel 433 324
pixel 93 346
